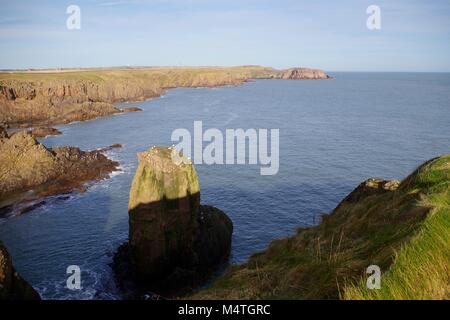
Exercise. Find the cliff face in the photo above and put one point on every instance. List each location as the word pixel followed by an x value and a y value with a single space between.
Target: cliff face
pixel 29 170
pixel 26 103
pixel 404 228
pixel 304 74
pixel 174 242
pixel 42 98
pixel 12 286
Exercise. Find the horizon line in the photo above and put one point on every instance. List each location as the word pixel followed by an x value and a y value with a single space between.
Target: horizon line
pixel 74 69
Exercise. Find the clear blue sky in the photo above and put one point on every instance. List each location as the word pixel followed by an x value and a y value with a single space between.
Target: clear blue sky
pixel 332 35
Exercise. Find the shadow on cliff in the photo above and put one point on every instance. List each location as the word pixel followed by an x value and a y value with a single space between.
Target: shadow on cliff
pixel 172 251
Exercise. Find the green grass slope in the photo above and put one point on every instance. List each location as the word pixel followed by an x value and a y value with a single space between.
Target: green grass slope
pixel 403 228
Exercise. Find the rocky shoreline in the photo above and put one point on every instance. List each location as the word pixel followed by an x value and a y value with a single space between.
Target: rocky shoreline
pixel 30 172
pixel 29 99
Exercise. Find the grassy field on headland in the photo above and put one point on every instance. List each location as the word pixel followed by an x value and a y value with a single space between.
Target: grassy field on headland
pixel 151 73
pixel 404 228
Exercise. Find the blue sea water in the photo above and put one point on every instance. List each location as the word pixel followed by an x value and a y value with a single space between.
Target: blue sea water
pixel 333 135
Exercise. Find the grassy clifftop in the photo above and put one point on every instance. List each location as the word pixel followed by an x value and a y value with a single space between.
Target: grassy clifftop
pixel 104 74
pixel 404 228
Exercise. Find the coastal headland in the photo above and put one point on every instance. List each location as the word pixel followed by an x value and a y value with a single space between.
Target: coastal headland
pixel 48 97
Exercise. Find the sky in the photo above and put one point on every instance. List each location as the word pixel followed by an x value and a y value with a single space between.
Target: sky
pixel 330 35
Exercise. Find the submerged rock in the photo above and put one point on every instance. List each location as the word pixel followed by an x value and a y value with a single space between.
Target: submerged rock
pixel 12 285
pixel 131 109
pixel 173 241
pixel 111 147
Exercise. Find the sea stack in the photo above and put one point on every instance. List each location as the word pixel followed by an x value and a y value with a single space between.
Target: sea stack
pixel 172 238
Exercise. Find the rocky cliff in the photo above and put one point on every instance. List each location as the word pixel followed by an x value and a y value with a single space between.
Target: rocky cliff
pixel 57 97
pixel 174 242
pixel 29 170
pixel 401 227
pixel 12 285
pixel 304 74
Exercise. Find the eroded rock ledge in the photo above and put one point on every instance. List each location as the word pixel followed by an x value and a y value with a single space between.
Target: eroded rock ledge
pixel 174 242
pixel 29 171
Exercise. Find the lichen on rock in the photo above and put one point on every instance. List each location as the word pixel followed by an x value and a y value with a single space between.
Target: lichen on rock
pixel 158 178
pixel 173 240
